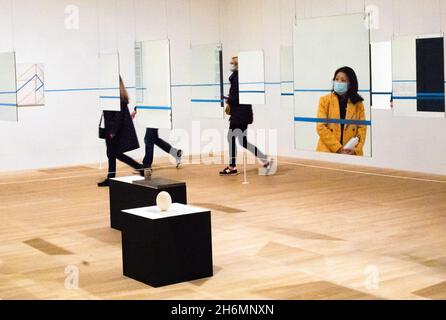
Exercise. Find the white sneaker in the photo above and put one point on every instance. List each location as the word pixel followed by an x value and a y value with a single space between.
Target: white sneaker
pixel 268 167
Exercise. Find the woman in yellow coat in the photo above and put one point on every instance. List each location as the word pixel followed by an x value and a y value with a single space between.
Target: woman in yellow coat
pixel 344 111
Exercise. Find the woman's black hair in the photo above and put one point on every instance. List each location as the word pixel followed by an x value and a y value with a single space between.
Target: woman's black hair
pixel 352 93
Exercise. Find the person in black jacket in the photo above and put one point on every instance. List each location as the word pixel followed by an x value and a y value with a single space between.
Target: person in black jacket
pixel 241 117
pixel 120 137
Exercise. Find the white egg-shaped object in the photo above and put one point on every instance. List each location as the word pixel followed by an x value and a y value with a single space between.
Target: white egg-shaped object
pixel 164 201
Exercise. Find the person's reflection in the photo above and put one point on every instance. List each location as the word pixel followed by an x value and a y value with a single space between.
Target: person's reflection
pixel 345 130
pixel 120 137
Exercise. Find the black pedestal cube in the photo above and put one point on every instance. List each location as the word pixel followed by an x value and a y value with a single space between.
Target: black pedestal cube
pixel 135 192
pixel 161 249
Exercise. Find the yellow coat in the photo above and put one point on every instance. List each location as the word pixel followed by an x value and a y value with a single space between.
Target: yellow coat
pixel 330 133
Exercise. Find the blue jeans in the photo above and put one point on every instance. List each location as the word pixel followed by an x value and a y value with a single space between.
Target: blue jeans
pixel 151 139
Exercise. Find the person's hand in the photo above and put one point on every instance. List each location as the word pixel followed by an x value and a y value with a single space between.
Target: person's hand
pixel 348 152
pixel 228 110
pixel 133 114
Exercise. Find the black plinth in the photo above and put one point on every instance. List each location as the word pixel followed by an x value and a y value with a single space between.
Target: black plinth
pixel 161 251
pixel 132 192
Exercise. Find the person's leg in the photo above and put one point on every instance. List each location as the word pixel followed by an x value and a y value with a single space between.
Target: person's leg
pixel 149 141
pixel 111 172
pixel 130 162
pixel 232 147
pixel 167 147
pixel 231 170
pixel 243 140
pixel 111 168
pixel 233 133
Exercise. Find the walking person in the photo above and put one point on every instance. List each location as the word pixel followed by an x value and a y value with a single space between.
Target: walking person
pixel 120 137
pixel 241 118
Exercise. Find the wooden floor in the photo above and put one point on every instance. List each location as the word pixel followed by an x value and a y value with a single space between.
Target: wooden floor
pixel 313 231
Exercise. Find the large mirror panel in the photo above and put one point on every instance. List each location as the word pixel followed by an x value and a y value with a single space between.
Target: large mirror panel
pixel 331 118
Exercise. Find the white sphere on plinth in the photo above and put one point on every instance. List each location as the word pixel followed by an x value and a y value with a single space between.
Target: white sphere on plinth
pixel 164 201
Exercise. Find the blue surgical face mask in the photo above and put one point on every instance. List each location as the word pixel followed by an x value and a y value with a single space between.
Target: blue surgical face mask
pixel 340 88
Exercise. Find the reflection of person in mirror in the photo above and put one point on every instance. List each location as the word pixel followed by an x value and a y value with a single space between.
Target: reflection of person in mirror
pixel 120 137
pixel 153 139
pixel 345 131
pixel 241 117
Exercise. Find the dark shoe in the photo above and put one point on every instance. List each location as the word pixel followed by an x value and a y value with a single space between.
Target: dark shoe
pixel 229 172
pixel 105 183
pixel 139 172
pixel 179 156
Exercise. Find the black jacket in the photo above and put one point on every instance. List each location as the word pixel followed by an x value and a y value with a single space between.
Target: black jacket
pixel 241 114
pixel 120 124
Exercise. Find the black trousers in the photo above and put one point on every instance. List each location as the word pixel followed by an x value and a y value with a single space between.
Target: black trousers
pixel 151 140
pixel 240 132
pixel 123 158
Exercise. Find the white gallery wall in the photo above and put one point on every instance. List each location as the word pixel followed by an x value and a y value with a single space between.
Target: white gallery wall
pixel 64 132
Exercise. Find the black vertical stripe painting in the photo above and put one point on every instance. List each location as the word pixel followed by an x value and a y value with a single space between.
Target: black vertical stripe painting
pixel 430 75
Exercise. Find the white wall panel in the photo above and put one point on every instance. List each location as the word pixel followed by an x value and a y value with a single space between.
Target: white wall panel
pixel 381 56
pixel 109 93
pixel 155 110
pixel 252 77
